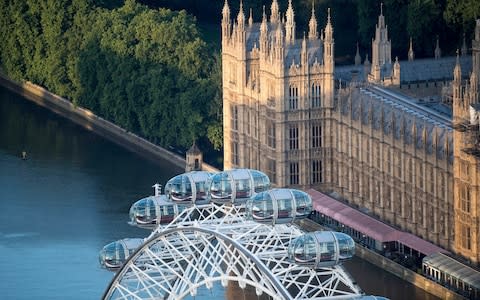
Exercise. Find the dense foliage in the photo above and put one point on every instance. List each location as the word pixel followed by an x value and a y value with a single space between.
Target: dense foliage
pixel 146 70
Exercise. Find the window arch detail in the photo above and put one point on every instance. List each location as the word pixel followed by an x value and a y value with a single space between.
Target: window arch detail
pixel 293 97
pixel 315 95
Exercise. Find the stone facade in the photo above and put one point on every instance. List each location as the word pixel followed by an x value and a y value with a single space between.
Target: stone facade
pixel 290 113
pixel 466 111
pixel 278 98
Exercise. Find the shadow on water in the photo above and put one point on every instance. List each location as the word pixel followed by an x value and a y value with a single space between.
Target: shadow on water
pixel 375 281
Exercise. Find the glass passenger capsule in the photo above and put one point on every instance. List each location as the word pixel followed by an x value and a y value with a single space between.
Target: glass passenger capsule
pixel 321 249
pixel 187 187
pixel 152 211
pixel 279 206
pixel 236 185
pixel 114 255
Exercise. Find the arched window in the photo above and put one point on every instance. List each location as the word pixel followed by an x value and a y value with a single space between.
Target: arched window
pixel 315 95
pixel 293 97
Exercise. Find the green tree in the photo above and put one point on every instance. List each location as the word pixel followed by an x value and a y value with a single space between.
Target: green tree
pixel 368 12
pixel 147 70
pixel 462 12
pixel 422 27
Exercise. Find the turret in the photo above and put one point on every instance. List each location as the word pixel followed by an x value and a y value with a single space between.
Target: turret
pixel 279 43
pixel 411 54
pixel 366 65
pixel 304 53
pixel 275 13
pixel 290 24
pixel 457 81
pixel 438 51
pixel 250 18
pixel 264 33
pixel 328 44
pixel 358 58
pixel 312 25
pixel 381 46
pixel 239 30
pixel 226 25
pixel 396 72
pixel 241 17
pixel 194 159
pixel 381 18
pixel 376 72
pixel 473 88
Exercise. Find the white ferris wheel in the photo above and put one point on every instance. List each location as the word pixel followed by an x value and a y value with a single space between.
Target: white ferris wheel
pixel 228 227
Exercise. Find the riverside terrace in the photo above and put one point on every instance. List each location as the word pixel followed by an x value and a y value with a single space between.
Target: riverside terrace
pixel 402 247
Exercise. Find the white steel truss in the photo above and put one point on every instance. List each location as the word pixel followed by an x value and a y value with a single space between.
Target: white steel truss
pixel 215 243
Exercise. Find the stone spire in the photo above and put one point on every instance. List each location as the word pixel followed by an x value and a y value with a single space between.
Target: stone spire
pixel 366 66
pixel 263 25
pixel 328 44
pixel 279 43
pixel 290 24
pixel 438 52
pixel 457 71
pixel 411 54
pixel 328 28
pixel 381 18
pixel 396 72
pixel 381 46
pixel 250 18
pixel 275 16
pixel 464 47
pixel 457 78
pixel 473 87
pixel 226 11
pixel 263 32
pixel 304 53
pixel 241 17
pixel 279 36
pixel 226 21
pixel 312 25
pixel 358 58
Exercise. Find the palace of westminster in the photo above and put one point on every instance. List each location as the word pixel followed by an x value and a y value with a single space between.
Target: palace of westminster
pixel 398 140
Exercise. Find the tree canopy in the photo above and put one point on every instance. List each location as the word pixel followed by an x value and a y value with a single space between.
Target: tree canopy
pixel 147 70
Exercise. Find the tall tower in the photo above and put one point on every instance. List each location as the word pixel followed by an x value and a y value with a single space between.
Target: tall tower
pixel 466 169
pixel 381 50
pixel 278 97
pixel 381 45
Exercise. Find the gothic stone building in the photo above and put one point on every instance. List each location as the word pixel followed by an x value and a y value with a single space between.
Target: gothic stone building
pixel 359 132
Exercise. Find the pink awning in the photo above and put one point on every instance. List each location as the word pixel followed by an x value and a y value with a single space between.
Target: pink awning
pixel 367 225
pixel 418 244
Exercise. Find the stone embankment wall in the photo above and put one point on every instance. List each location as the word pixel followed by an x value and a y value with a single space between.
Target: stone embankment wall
pixel 392 267
pixel 90 121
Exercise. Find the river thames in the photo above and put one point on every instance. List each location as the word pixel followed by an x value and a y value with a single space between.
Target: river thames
pixel 71 196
